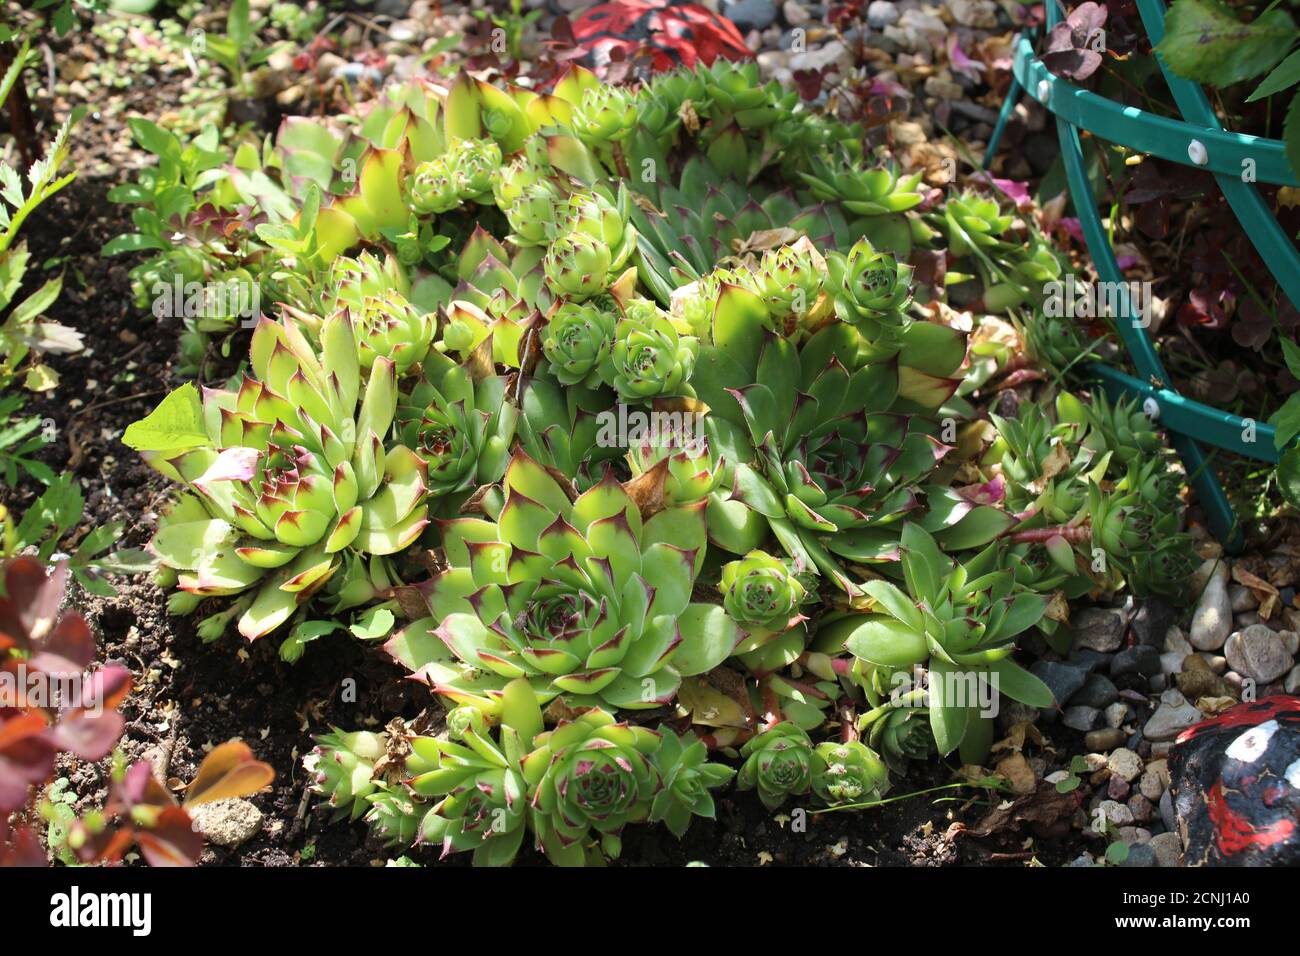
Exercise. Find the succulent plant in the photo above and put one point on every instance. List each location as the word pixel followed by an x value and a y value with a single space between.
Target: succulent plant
pixel 579 337
pixel 848 772
pixel 288 474
pixel 387 326
pixel 901 734
pixel 682 763
pixel 873 291
pixel 759 591
pixel 958 620
pixel 342 766
pixel 577 266
pixel 678 435
pixel 781 762
pixel 460 425
pixel 649 357
pixel 605 114
pixel 592 776
pixel 559 590
pixel 870 192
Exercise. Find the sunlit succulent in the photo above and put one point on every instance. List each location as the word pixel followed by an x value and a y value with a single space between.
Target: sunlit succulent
pixel 593 777
pixel 531 217
pixel 869 192
pixel 780 763
pixel 293 474
pixel 605 114
pixel 872 290
pixel 677 433
pixel 848 772
pixel 388 326
pixel 649 357
pixel 435 187
pixel 459 423
pixel 578 339
pixel 342 766
pixel 789 280
pixel 759 591
pixel 558 590
pixel 577 266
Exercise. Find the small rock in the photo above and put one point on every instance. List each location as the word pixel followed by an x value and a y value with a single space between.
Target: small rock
pixel 1081 860
pixel 1292 683
pixel 1118 814
pixel 1063 680
pixel 1175 641
pixel 974 13
pixel 1150 786
pixel 1143 810
pixel 1167 814
pixel 750 14
pixel 1090 660
pixel 1013 712
pixel 1139 660
pixel 1097 691
pixel 1105 739
pixel 1115 714
pixel 1140 855
pixel 1171 662
pixel 1241 598
pixel 1210 568
pixel 796 14
pixel 227 823
pixel 1258 653
pixel 1198 680
pixel 1082 719
pixel 1172 717
pixel 1152 621
pixel 881 14
pixel 1212 619
pixel 1099 629
pixel 1168 849
pixel 1117 788
pixel 1125 763
pixel 833 53
pixel 1291 641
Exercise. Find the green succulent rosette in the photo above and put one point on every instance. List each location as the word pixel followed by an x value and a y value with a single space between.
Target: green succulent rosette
pixel 826 453
pixel 649 358
pixel 459 423
pixel 577 341
pixel 577 266
pixel 900 734
pixel 872 290
pixel 605 114
pixel 291 478
pixel 789 280
pixel 559 590
pixel 590 776
pixel 388 326
pixel 434 188
pixel 759 591
pixel 676 435
pixel 780 763
pixel 477 780
pixel 960 622
pixel 848 772
pixel 342 769
pixel 682 763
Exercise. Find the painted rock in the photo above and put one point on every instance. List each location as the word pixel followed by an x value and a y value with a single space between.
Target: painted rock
pixel 669 33
pixel 1236 785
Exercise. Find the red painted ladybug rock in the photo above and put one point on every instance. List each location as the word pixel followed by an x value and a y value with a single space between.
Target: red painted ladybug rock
pixel 1236 785
pixel 669 33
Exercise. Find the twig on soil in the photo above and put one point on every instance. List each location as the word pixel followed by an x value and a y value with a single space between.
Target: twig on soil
pixel 299 816
pixel 114 401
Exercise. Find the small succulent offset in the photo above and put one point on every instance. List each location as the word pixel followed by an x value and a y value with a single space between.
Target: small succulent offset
pixel 759 591
pixel 587 596
pixel 682 762
pixel 780 763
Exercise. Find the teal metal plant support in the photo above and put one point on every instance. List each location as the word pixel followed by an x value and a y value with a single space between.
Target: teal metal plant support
pixel 1237 161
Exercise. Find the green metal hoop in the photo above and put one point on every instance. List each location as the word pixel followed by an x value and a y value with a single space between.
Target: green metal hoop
pixel 1236 160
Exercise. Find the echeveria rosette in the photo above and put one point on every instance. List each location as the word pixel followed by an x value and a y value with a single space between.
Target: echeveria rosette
pixel 760 592
pixel 650 358
pixel 578 339
pixel 865 192
pixel 388 326
pixel 687 778
pixel 587 598
pixel 478 779
pixel 463 173
pixel 848 772
pixel 872 290
pixel 294 479
pixel 960 622
pixel 459 423
pixel 604 219
pixel 790 280
pixel 531 217
pixel 590 777
pixel 900 734
pixel 780 763
pixel 434 187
